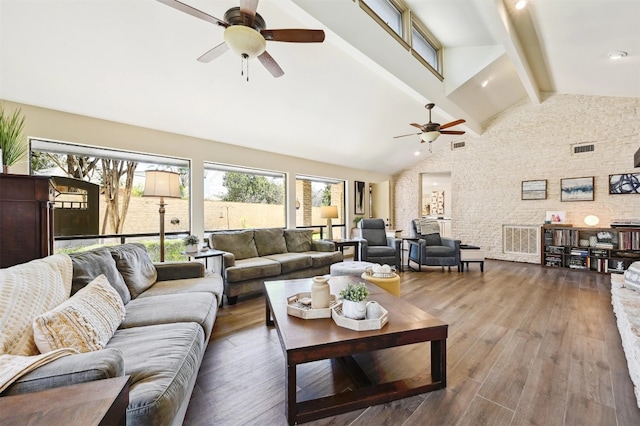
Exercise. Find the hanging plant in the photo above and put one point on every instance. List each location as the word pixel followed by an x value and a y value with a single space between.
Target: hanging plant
pixel 11 126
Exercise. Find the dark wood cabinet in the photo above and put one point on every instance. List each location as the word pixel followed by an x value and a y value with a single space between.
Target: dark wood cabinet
pixel 26 218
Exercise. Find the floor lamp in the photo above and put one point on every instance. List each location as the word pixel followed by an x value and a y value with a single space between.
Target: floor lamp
pixel 161 183
pixel 329 212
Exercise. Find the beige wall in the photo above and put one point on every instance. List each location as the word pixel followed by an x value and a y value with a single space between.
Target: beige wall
pixel 61 126
pixel 529 142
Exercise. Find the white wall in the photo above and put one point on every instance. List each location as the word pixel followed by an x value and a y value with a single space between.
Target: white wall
pixel 61 126
pixel 529 142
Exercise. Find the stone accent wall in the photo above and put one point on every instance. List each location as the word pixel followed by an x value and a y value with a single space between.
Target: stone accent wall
pixel 529 142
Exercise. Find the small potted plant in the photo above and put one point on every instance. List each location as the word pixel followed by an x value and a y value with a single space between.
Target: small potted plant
pixel 12 146
pixel 354 298
pixel 191 243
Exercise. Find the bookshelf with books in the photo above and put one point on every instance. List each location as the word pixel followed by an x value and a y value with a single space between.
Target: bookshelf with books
pixel 602 250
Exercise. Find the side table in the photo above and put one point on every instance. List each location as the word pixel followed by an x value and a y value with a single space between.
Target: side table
pixel 99 402
pixel 471 254
pixel 204 254
pixel 341 244
pixel 404 238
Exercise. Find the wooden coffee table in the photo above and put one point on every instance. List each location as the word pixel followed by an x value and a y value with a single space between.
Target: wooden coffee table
pixel 318 339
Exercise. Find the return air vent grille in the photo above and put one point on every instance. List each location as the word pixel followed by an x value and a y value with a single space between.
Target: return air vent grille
pixel 519 239
pixel 457 145
pixel 582 148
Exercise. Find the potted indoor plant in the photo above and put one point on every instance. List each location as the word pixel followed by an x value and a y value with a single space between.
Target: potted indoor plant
pixel 191 243
pixel 354 298
pixel 11 145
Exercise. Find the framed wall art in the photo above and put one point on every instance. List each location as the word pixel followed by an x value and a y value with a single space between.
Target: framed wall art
pixel 359 193
pixel 628 183
pixel 534 189
pixel 576 189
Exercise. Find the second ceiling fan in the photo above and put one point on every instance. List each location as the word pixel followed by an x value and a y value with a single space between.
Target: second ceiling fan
pixel 431 131
pixel 246 34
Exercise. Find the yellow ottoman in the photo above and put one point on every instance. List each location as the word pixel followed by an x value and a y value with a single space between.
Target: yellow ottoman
pixel 392 285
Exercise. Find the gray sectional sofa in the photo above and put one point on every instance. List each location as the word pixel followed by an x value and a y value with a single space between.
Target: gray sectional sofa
pixel 258 255
pixel 170 312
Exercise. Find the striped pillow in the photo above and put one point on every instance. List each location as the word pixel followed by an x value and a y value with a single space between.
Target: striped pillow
pixel 85 322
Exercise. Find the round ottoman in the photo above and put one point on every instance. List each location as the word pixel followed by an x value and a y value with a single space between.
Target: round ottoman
pixel 392 285
pixel 349 268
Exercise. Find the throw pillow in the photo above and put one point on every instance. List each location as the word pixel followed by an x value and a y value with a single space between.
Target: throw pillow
pixel 632 277
pixel 135 266
pixel 432 239
pixel 298 240
pixel 89 264
pixel 270 241
pixel 85 322
pixel 240 243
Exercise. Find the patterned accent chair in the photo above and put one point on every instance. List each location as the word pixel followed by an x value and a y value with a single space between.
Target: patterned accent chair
pixel 430 249
pixel 375 246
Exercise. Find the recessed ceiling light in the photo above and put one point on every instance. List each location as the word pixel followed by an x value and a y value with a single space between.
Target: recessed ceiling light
pixel 484 83
pixel 416 153
pixel 617 55
pixel 521 4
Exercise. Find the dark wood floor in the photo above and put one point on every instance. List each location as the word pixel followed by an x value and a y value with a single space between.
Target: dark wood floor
pixel 527 345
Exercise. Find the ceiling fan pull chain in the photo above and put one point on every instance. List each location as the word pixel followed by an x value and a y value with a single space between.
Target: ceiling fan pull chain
pixel 244 57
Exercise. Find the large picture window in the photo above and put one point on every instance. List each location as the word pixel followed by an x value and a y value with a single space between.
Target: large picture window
pixel 313 193
pixel 238 198
pixel 122 212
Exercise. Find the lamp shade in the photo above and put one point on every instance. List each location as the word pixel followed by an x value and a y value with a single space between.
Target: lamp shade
pixel 430 136
pixel 245 40
pixel 329 212
pixel 161 183
pixel 591 220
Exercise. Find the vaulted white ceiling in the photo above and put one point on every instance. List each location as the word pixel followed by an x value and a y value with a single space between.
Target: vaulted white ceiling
pixel 341 101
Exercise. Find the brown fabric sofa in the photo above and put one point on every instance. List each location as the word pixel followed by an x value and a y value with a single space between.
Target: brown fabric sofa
pixel 258 255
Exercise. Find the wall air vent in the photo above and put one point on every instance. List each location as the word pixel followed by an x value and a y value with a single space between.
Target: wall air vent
pixel 521 239
pixel 583 147
pixel 457 145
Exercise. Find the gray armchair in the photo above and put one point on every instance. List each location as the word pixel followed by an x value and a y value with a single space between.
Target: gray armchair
pixel 430 249
pixel 375 246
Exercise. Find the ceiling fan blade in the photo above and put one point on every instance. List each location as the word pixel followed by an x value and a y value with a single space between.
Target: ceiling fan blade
pixel 214 53
pixel 270 64
pixel 422 127
pixel 453 123
pixel 194 12
pixel 248 11
pixel 294 35
pixel 410 134
pixel 452 132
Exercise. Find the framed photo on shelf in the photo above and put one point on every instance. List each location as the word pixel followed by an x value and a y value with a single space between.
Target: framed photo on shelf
pixel 555 217
pixel 628 183
pixel 534 189
pixel 576 189
pixel 359 197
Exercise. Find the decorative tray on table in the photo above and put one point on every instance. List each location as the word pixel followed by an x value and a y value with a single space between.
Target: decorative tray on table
pixel 299 305
pixel 368 272
pixel 358 325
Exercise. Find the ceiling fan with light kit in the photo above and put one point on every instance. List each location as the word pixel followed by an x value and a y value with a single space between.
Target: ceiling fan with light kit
pixel 246 34
pixel 431 131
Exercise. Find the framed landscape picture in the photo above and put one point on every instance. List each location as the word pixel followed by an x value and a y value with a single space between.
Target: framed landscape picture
pixel 628 183
pixel 576 189
pixel 534 189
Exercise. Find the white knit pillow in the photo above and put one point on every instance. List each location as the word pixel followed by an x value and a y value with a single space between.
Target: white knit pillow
pixel 632 277
pixel 85 322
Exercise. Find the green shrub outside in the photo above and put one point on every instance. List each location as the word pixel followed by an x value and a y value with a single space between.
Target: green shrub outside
pixel 172 250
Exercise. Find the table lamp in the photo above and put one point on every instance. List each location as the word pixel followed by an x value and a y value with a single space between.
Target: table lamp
pixel 329 212
pixel 161 183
